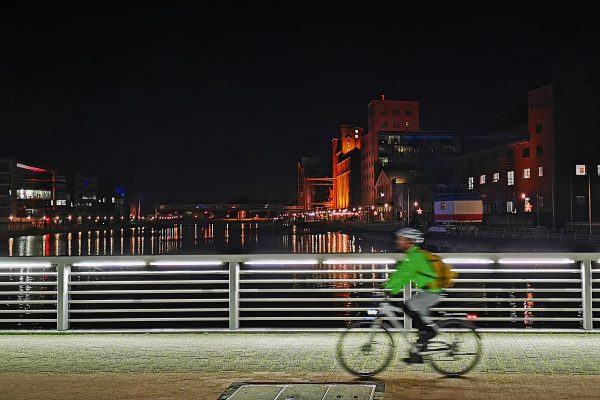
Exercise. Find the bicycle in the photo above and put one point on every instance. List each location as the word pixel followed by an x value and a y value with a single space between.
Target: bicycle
pixel 453 352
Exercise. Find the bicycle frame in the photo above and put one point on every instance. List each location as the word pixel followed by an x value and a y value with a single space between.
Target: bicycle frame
pixel 386 309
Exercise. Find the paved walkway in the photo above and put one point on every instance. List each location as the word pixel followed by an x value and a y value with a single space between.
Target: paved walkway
pixel 271 352
pixel 203 365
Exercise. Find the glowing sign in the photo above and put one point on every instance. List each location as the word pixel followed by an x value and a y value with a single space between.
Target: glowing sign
pixel 580 170
pixel 34 169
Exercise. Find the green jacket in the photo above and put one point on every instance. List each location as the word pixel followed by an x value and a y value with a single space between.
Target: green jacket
pixel 409 270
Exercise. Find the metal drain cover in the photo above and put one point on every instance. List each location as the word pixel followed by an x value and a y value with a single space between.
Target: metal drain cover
pixel 304 391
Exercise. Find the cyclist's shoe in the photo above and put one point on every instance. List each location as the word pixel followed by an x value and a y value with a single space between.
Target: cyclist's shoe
pixel 414 358
pixel 425 336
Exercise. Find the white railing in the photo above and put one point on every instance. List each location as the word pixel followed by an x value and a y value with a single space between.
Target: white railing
pixel 304 291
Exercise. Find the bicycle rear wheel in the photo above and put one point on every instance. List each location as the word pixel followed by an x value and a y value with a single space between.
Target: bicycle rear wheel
pixel 463 346
pixel 365 350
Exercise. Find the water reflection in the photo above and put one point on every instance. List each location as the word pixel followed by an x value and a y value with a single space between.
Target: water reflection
pixel 181 239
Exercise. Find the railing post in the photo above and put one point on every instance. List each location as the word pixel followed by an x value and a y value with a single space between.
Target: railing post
pixel 586 291
pixel 407 296
pixel 63 274
pixel 234 295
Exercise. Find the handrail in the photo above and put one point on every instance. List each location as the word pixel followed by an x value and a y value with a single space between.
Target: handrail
pixel 508 290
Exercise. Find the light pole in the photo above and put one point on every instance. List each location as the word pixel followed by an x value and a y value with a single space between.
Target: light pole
pixel 583 169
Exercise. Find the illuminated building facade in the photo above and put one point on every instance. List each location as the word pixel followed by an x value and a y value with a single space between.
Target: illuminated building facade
pixel 346 167
pixel 85 195
pixel 384 117
pixel 536 175
pixel 25 190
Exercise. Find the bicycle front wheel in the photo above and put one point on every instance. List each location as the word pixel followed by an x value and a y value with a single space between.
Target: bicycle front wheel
pixel 459 345
pixel 365 349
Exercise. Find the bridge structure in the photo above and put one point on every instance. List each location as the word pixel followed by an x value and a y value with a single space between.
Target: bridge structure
pixel 235 211
pixel 216 321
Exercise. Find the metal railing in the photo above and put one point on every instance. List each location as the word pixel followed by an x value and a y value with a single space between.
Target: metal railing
pixel 303 291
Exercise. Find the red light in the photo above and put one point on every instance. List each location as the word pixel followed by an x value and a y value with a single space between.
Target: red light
pixel 471 317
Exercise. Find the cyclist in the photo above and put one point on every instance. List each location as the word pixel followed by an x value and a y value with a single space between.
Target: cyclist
pixel 416 268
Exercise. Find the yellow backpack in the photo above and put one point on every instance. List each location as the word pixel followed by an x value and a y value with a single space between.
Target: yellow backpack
pixel 445 274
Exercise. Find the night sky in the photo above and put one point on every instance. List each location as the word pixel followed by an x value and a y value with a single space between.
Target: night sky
pixel 210 103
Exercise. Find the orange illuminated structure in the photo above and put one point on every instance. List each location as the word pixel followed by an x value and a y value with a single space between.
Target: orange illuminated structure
pixel 314 191
pixel 346 167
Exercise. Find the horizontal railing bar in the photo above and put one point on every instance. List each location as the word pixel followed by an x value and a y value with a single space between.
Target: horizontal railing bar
pixel 512 300
pixel 169 282
pixel 539 309
pixel 307 290
pixel 23 292
pixel 174 272
pixel 526 290
pixel 146 319
pixel 316 299
pixel 315 271
pixel 145 310
pixel 309 280
pixel 34 311
pixel 158 291
pixel 349 309
pixel 29 301
pixel 365 271
pixel 518 319
pixel 374 299
pixel 507 319
pixel 454 290
pixel 517 271
pixel 349 318
pixel 53 273
pixel 3 320
pixel 458 280
pixel 519 280
pixel 276 309
pixel 35 283
pixel 149 301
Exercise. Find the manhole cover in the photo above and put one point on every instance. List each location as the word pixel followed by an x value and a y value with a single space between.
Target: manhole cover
pixel 304 391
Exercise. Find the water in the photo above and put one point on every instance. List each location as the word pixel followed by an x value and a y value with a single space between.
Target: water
pixel 236 238
pixel 218 238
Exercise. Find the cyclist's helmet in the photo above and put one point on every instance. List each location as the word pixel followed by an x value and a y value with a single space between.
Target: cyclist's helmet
pixel 411 234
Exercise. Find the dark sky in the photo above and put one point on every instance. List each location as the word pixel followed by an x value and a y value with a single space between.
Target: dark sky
pixel 207 103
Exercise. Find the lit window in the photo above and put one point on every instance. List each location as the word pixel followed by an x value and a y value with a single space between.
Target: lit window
pixel 538 127
pixel 407 124
pixel 471 182
pixel 540 171
pixel 598 170
pixel 510 178
pixel 443 205
pixel 356 131
pixel 509 207
pixel 355 136
pixel 496 177
pixel 482 179
pixel 526 173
